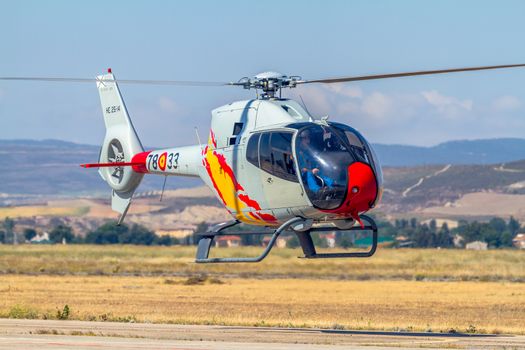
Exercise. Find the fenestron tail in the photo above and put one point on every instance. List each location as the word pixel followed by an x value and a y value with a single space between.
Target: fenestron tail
pixel 120 144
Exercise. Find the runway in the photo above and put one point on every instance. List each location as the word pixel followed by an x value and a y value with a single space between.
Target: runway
pixel 52 334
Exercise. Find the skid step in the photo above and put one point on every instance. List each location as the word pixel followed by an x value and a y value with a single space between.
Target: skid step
pixel 307 244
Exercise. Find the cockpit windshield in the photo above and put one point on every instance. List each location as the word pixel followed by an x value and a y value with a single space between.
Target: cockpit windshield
pixel 323 157
pixel 324 153
pixel 362 147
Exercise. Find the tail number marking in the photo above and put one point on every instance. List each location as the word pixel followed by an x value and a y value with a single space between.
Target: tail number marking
pixel 172 163
pixel 112 109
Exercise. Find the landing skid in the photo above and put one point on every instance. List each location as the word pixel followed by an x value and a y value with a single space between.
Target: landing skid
pixel 305 239
pixel 310 252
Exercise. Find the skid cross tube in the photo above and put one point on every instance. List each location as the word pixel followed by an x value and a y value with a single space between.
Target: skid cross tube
pixel 309 248
pixel 207 240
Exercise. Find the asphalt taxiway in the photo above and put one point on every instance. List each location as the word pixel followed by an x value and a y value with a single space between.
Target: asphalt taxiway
pixel 51 334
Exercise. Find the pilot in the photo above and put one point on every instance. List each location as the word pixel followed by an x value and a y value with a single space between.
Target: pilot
pixel 312 177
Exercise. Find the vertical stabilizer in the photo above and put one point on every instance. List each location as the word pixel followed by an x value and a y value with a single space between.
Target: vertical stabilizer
pixel 120 144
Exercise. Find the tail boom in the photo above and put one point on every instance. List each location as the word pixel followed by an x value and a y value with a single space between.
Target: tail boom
pixel 180 161
pixel 108 165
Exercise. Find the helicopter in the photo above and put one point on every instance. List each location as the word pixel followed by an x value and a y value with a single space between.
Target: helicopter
pixel 268 161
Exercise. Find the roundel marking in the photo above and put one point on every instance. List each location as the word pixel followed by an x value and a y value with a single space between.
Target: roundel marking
pixel 162 161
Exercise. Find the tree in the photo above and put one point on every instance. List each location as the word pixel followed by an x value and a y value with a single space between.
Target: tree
pixel 401 224
pixel 111 233
pixel 513 226
pixel 2 237
pixel 496 233
pixel 138 234
pixel 444 238
pixel 29 234
pixel 108 233
pixel 432 226
pixel 61 233
pixel 498 224
pixel 490 235
pixel 9 227
pixel 423 237
pixel 345 242
pixel 506 239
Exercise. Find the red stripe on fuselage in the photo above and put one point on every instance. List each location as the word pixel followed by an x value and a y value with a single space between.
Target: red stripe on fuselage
pixel 140 158
pixel 249 202
pixel 226 168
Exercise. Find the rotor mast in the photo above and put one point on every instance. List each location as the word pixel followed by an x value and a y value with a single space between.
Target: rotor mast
pixel 270 83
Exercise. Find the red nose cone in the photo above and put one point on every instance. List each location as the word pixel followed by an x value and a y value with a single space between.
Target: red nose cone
pixel 361 191
pixel 362 188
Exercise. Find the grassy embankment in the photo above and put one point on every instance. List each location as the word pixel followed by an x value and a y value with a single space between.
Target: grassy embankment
pixel 44 210
pixel 390 264
pixel 396 289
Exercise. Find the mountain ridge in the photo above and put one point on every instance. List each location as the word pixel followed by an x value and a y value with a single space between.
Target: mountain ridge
pixel 50 167
pixel 480 151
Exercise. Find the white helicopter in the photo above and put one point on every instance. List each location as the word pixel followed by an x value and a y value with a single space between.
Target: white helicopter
pixel 267 160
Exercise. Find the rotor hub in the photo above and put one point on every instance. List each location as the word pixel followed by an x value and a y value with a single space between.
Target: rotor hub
pixel 269 82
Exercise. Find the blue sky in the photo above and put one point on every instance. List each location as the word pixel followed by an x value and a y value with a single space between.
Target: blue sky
pixel 226 40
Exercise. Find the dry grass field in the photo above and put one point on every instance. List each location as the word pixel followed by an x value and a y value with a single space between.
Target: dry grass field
pixel 386 264
pixel 438 290
pixel 386 305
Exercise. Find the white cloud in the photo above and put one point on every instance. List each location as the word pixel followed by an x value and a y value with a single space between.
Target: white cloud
pixel 447 106
pixel 422 117
pixel 505 103
pixel 167 105
pixel 346 90
pixel 317 100
pixel 377 105
pixel 348 108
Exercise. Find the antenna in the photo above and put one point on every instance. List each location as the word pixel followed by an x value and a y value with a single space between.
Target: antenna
pixel 163 187
pixel 198 138
pixel 304 105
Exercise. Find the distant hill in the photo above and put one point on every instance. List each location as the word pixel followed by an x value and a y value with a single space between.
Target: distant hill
pixel 409 188
pixel 453 152
pixel 51 167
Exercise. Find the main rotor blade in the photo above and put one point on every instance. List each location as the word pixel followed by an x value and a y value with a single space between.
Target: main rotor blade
pixel 405 74
pixel 120 81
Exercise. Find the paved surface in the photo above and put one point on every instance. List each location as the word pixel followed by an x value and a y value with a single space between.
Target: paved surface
pixel 45 335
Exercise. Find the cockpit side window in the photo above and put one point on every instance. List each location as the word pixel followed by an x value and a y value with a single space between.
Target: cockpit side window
pixel 252 150
pixel 265 153
pixel 283 164
pixel 272 152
